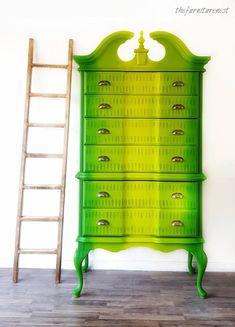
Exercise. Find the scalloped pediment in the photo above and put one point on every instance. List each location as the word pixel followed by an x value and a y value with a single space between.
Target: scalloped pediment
pixel 177 55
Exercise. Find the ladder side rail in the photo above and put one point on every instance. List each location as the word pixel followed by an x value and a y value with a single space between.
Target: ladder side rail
pixel 23 160
pixel 64 163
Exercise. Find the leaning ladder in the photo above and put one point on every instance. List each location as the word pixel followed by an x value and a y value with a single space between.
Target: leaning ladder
pixel 25 155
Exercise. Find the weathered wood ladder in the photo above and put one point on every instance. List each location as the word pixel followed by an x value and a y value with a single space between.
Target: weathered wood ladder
pixel 25 155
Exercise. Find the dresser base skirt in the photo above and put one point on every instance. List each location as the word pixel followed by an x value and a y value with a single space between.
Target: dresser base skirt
pixel 193 246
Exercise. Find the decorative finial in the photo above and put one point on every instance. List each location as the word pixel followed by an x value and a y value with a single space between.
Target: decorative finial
pixel 141 52
pixel 141 40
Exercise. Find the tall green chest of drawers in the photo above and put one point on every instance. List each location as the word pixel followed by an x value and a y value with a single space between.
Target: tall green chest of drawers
pixel 141 164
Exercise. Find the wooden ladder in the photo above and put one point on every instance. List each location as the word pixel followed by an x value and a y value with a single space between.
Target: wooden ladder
pixel 25 155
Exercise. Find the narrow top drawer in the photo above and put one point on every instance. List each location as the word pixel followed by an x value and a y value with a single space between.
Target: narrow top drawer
pixel 172 83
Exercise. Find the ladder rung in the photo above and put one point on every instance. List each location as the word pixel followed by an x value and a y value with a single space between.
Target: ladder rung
pixel 49 66
pixel 38 218
pixel 37 251
pixel 42 186
pixel 48 95
pixel 46 125
pixel 44 155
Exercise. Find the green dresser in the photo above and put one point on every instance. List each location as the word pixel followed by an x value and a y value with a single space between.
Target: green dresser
pixel 141 155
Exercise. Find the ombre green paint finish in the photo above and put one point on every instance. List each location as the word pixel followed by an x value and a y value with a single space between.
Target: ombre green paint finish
pixel 177 58
pixel 109 131
pixel 129 106
pixel 140 194
pixel 142 83
pixel 141 160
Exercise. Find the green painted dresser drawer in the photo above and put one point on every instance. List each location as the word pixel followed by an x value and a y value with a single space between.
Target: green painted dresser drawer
pixel 167 83
pixel 141 131
pixel 125 106
pixel 127 222
pixel 169 159
pixel 140 194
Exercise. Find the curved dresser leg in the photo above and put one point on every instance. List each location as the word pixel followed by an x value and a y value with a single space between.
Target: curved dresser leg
pixel 79 256
pixel 201 259
pixel 191 269
pixel 85 264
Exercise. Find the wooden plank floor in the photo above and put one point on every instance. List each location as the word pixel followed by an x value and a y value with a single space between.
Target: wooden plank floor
pixel 116 298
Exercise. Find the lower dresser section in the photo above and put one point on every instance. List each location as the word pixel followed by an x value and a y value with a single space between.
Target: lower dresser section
pixel 129 208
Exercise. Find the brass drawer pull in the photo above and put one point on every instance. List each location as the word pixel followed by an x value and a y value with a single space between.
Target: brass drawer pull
pixel 177 159
pixel 178 132
pixel 103 158
pixel 104 83
pixel 177 223
pixel 177 195
pixel 102 222
pixel 102 195
pixel 104 106
pixel 103 131
pixel 178 107
pixel 178 84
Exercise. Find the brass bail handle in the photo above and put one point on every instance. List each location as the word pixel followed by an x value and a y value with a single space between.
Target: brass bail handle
pixel 103 194
pixel 102 222
pixel 177 223
pixel 177 159
pixel 103 158
pixel 104 83
pixel 178 84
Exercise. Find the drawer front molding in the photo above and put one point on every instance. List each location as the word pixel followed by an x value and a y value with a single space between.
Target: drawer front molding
pixel 140 194
pixel 127 222
pixel 140 158
pixel 141 131
pixel 138 106
pixel 142 83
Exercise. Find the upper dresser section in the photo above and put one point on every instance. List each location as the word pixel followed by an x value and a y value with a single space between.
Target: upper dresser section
pixel 177 58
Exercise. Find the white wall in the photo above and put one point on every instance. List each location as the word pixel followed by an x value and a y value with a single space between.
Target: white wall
pixel 51 23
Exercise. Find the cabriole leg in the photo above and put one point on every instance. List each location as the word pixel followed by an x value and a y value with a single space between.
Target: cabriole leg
pixel 191 269
pixel 79 256
pixel 85 263
pixel 201 260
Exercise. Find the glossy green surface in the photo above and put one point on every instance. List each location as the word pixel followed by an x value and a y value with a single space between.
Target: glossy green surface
pixel 177 57
pixel 140 176
pixel 143 194
pixel 141 158
pixel 141 131
pixel 142 83
pixel 130 106
pixel 139 221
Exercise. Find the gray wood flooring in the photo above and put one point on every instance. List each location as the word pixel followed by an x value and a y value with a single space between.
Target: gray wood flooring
pixel 116 298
